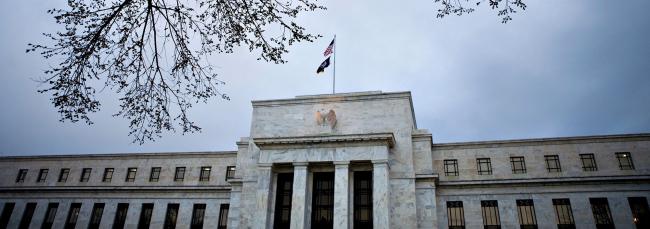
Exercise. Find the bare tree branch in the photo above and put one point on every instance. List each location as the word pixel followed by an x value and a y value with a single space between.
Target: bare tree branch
pixel 144 51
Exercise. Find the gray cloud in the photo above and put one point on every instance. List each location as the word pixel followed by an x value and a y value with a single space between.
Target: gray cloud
pixel 560 68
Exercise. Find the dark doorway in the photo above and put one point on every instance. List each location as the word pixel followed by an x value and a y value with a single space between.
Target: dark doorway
pixel 282 217
pixel 322 214
pixel 363 200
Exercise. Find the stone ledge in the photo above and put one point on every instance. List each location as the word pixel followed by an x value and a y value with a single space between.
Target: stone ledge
pixel 193 188
pixel 386 138
pixel 547 180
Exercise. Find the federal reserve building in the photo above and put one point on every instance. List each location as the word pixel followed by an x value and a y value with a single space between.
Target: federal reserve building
pixel 347 160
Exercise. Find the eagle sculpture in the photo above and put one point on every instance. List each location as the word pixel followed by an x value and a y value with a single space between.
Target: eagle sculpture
pixel 326 119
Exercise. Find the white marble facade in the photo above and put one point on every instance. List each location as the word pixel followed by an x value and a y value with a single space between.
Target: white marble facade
pixel 341 134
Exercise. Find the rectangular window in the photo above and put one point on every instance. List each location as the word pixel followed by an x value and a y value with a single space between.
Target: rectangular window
pixel 283 201
pixel 130 174
pixel 198 215
pixel 205 173
pixel 108 175
pixel 322 213
pixel 6 214
pixel 223 216
pixel 451 167
pixel 484 166
pixel 42 175
pixel 490 211
pixel 22 173
pixel 73 215
pixel 50 215
pixel 96 216
pixel 526 210
pixel 85 175
pixel 564 214
pixel 145 216
pixel 179 175
pixel 625 161
pixel 363 199
pixel 518 164
pixel 120 215
pixel 155 174
pixel 230 172
pixel 640 212
pixel 553 163
pixel 602 215
pixel 27 216
pixel 588 162
pixel 63 175
pixel 170 216
pixel 455 215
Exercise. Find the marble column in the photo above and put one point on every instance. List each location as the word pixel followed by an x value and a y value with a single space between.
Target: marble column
pixel 341 183
pixel 380 191
pixel 299 196
pixel 263 192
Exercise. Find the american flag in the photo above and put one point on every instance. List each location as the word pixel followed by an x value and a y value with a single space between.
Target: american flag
pixel 330 49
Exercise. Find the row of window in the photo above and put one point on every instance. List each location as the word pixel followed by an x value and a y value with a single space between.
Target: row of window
pixel 198 216
pixel 154 176
pixel 564 215
pixel 484 165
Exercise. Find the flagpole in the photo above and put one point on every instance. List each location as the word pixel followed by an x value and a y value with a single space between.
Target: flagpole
pixel 334 77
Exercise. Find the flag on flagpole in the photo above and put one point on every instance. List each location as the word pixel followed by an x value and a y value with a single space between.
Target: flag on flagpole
pixel 323 65
pixel 330 49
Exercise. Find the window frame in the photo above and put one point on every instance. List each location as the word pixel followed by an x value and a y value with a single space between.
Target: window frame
pixel 42 175
pixel 563 205
pixel 591 158
pixel 84 172
pixel 73 216
pixel 455 208
pixel 50 215
pixel 22 174
pixel 223 216
pixel 556 162
pixel 108 172
pixel 131 174
pixel 453 163
pixel 521 161
pixel 62 172
pixel 601 213
pixel 171 216
pixel 488 162
pixel 627 156
pixel 490 214
pixel 156 171
pixel 181 171
pixel 204 173
pixel 198 216
pixel 640 211
pixel 526 213
pixel 96 215
pixel 146 214
pixel 120 217
pixel 230 172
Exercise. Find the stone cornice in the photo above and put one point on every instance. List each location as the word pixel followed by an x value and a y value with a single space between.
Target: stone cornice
pixel 384 138
pixel 185 188
pixel 123 156
pixel 543 141
pixel 599 179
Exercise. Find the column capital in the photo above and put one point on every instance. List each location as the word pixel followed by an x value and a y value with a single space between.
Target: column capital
pixel 265 165
pixel 341 163
pixel 300 164
pixel 380 162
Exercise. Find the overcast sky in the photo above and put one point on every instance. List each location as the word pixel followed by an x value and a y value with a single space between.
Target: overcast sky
pixel 561 68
